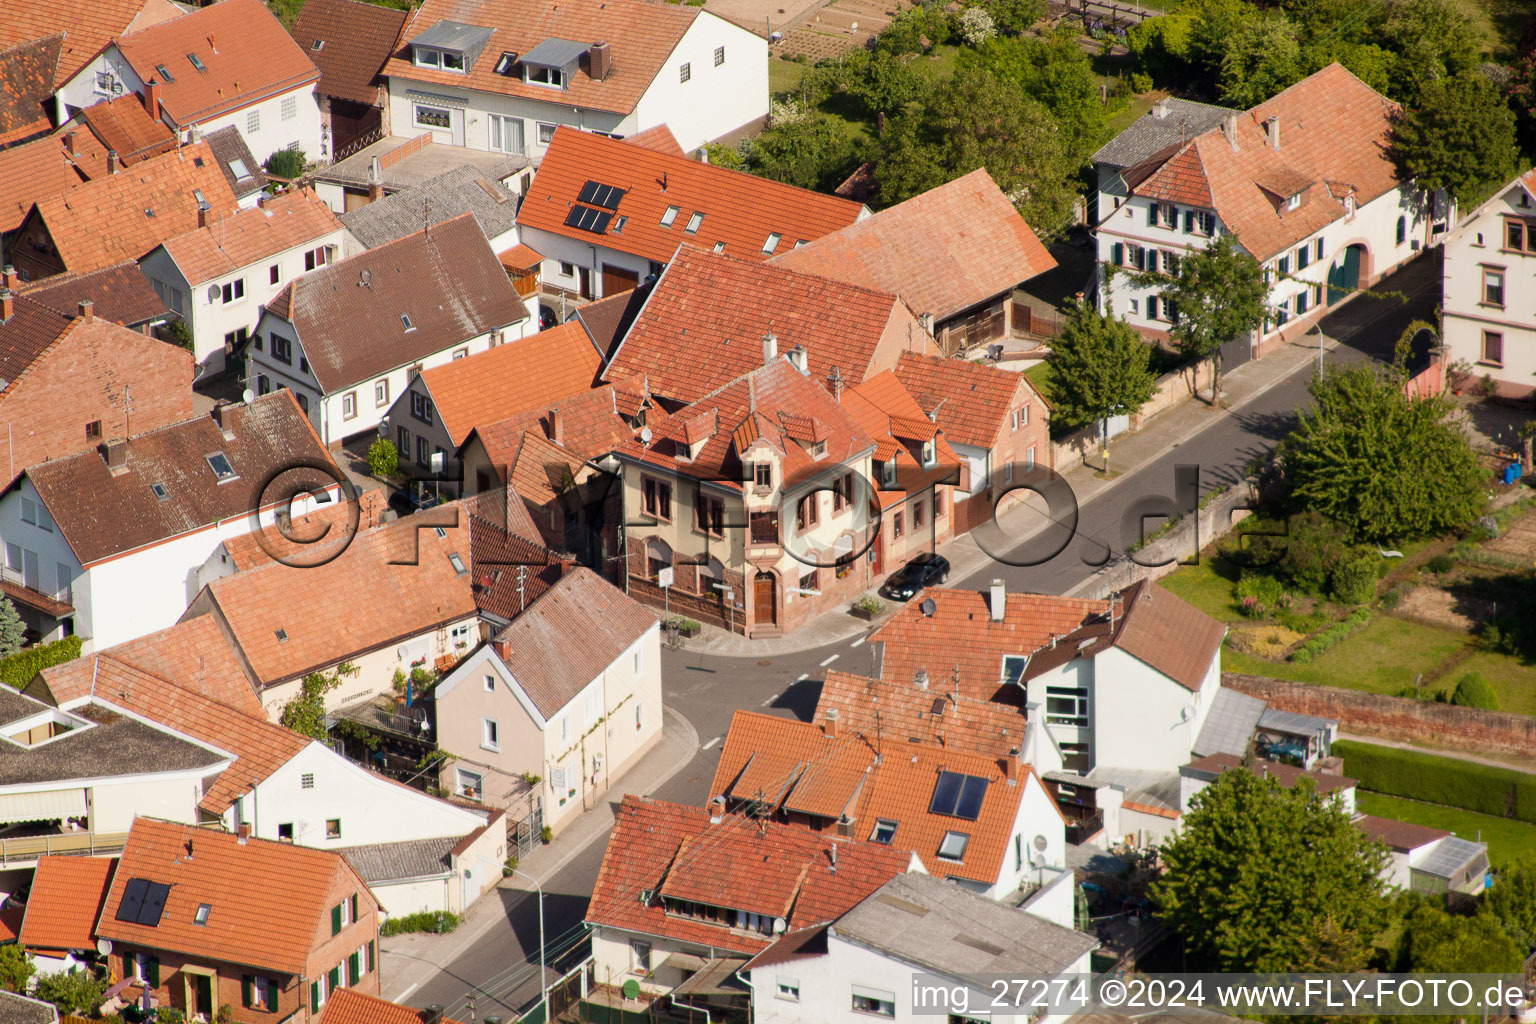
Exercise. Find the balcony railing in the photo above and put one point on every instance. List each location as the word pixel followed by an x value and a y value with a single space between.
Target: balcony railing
pixel 81 844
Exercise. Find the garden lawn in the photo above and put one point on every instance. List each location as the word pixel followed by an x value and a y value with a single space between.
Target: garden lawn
pixel 1507 839
pixel 1496 24
pixel 784 76
pixel 1043 376
pixel 1383 657
pixel 1207 586
pixel 1513 680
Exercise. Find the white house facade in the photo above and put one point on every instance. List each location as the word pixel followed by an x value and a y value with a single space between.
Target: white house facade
pixel 1488 292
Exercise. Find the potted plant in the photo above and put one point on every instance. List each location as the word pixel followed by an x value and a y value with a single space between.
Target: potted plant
pixel 867 607
pixel 547 834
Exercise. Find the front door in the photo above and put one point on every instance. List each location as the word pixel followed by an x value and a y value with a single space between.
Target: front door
pixel 200 995
pixel 617 279
pixel 456 126
pixel 584 279
pixel 1344 277
pixel 763 608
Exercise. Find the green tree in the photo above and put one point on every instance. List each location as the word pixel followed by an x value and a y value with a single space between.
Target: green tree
pixel 1263 878
pixel 1163 46
pixel 1380 464
pixel 975 119
pixel 1457 134
pixel 1014 16
pixel 287 163
pixel 75 992
pixel 1102 368
pixel 723 155
pixel 1056 71
pixel 13 632
pixel 877 82
pixel 15 968
pixel 305 711
pixel 1442 942
pixel 1473 691
pixel 1431 40
pixel 1218 295
pixel 813 151
pixel 915 29
pixel 1214 24
pixel 1262 58
pixel 1513 902
pixel 383 457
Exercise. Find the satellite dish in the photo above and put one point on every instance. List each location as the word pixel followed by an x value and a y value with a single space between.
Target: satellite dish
pixel 645 434
pixel 365 278
pixel 1036 859
pixel 779 925
pixel 247 396
pixel 404 652
pixel 103 946
pixel 1040 843
pixel 1186 712
pixel 213 293
pixel 928 607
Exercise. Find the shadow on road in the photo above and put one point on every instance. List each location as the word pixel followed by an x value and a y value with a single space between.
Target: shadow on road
pixel 800 699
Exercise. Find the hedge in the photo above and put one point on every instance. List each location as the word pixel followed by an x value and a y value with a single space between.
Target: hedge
pixel 22 667
pixel 1501 792
pixel 437 921
pixel 1316 644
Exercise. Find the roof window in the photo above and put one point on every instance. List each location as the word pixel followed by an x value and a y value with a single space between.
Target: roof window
pixel 884 832
pixel 405 319
pixel 670 216
pixel 196 62
pixel 694 222
pixel 618 225
pixel 201 916
pixel 952 846
pixel 282 636
pixel 238 168
pixel 457 563
pixel 507 65
pixel 317 45
pixel 719 247
pixel 160 492
pixel 165 72
pixel 219 463
pixel 772 243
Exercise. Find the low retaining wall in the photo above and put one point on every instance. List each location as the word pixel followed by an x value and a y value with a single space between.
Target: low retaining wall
pixel 1395 718
pixel 1172 389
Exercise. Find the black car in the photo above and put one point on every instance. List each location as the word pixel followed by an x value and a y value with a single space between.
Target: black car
pixel 409 500
pixel 547 317
pixel 923 571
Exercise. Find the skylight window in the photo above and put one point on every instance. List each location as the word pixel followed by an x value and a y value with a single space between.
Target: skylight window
pixel 694 222
pixel 405 319
pixel 196 62
pixel 670 216
pixel 219 463
pixel 884 832
pixel 457 563
pixel 1013 668
pixel 772 243
pixel 282 636
pixel 719 247
pixel 317 45
pixel 952 846
pixel 165 72
pixel 442 534
pixel 507 64
pixel 160 492
pixel 241 171
pixel 201 916
pixel 618 225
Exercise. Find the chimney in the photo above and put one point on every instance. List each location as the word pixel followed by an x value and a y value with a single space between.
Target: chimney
pixel 195 134
pixel 1011 766
pixel 703 155
pixel 87 310
pixel 503 648
pixel 1229 129
pixel 921 679
pixel 1160 108
pixel 152 99
pixel 202 214
pixel 226 423
pixel 244 832
pixel 114 454
pixel 556 427
pixel 112 161
pixel 7 304
pixel 375 191
pixel 798 358
pixel 12 279
pixel 997 600
pixel 1272 129
pixel 770 348
pixel 716 809
pixel 433 1014
pixel 599 61
pixel 829 726
pixel 69 144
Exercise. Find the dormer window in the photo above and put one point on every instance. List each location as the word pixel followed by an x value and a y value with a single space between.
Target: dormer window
pixel 553 77
pixel 453 61
pixel 762 474
pixel 888 473
pixel 1293 202
pixel 930 453
pixel 428 58
pixel 818 449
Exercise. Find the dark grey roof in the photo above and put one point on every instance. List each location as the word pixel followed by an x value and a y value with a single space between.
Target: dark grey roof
pixel 933 923
pixel 461 190
pixel 233 155
pixel 114 745
pixel 396 862
pixel 14 707
pixel 555 53
pixel 454 35
pixel 1155 131
pixel 1229 724
pixel 19 1009
pixel 1295 723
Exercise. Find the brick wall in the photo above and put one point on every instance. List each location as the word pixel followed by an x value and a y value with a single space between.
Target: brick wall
pixel 1172 389
pixel 1395 718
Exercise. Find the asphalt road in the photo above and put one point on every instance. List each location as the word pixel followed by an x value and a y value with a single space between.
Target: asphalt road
pixel 500 971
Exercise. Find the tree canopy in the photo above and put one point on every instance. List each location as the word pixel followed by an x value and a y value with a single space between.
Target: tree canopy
pixel 1263 878
pixel 13 631
pixel 1512 902
pixel 1459 135
pixel 1102 368
pixel 1380 464
pixel 1218 294
pixel 811 150
pixel 1453 943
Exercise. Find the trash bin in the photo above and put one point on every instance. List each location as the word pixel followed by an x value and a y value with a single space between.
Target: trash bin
pixel 1511 473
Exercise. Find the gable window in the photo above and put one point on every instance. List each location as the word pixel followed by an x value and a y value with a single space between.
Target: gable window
pixel 307 780
pixel 694 222
pixel 490 734
pixel 658 498
pixel 787 988
pixel 1013 668
pixel 333 828
pixel 1493 286
pixel 433 117
pixel 1066 705
pixel 1493 348
pixel 719 55
pixel 349 405
pixel 684 72
pixel 233 291
pixel 709 515
pixel 421 408
pixel 952 846
pixel 290 108
pixel 253 122
pixel 874 1002
pixel 762 474
pixel 1514 235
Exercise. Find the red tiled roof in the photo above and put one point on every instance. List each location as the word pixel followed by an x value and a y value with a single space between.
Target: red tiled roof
pixel 125 126
pixel 43 169
pixel 892 417
pixel 195 656
pixel 642 36
pixel 349 1006
pixel 109 220
pixel 973 401
pixel 245 53
pixel 659 138
pixel 910 714
pixel 26 83
pixel 765 867
pixel 249 236
pixel 589 427
pixel 740 210
pixel 310 537
pixel 119 294
pixel 284 887
pixel 356 38
pixel 704 323
pixel 943 251
pixel 519 257
pixel 532 372
pixel 88 25
pixel 1168 633
pixel 65 901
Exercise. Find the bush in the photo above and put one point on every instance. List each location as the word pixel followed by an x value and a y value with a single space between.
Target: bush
pixel 1501 792
pixel 76 992
pixel 1440 563
pixel 435 921
pixel 1141 83
pixel 180 334
pixel 168 1015
pixel 287 163
pixel 1473 691
pixel 1394 597
pixel 1314 544
pixel 22 667
pixel 1353 579
pixel 1258 594
pixel 868 604
pixel 546 834
pixel 1330 637
pixel 383 458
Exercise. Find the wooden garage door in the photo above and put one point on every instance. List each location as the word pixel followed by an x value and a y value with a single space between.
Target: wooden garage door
pixel 617 279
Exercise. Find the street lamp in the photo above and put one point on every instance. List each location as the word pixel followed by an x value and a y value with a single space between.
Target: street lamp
pixel 543 972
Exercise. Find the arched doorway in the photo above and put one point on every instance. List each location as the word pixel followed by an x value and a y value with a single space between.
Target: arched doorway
pixel 764 600
pixel 1344 275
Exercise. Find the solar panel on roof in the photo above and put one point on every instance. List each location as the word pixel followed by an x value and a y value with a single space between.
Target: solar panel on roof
pixel 154 903
pixel 972 793
pixel 959 796
pixel 946 793
pixel 588 191
pixel 133 899
pixel 574 215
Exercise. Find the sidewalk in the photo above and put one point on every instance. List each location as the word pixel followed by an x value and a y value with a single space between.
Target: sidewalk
pixel 1173 426
pixel 413 959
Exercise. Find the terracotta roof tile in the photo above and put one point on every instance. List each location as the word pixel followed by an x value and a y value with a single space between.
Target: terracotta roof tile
pixel 659 138
pixel 246 57
pixel 123 216
pixel 356 38
pixel 890 415
pixel 973 401
pixel 125 126
pixel 589 427
pixel 745 864
pixel 43 169
pixel 642 37
pixel 740 210
pixel 1168 633
pixel 534 372
pixel 119 294
pixel 349 1006
pixel 943 251
pixel 195 656
pixel 241 882
pixel 703 324
pixel 608 319
pixel 1286 775
pixel 309 537
pixel 26 83
pixel 446 279
pixel 88 25
pixel 250 236
pixel 908 713
pixel 65 901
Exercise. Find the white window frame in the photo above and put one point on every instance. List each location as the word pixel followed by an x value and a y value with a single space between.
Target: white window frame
pixel 460 785
pixel 786 988
pixel 252 122
pixel 420 55
pixel 547 132
pixel 381 392
pixel 416 110
pixel 490 735
pixel 289 108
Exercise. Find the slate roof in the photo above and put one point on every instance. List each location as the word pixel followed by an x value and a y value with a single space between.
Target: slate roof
pixel 26 83
pixel 251 236
pixel 123 125
pixel 65 901
pixel 122 216
pixel 944 251
pixel 569 637
pixel 1399 835
pixel 239 881
pixel 740 210
pixel 909 714
pixel 742 862
pixel 973 401
pixel 446 279
pixel 356 38
pixel 349 1006
pixel 102 514
pixel 459 191
pixel 642 37
pixel 115 745
pixel 246 56
pixel 19 1009
pixel 1179 121
pixel 705 319
pixel 399 861
pixel 88 25
pixel 228 147
pixel 928 922
pixel 534 372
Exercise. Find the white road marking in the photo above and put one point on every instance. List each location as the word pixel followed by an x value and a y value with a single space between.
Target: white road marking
pixel 802 677
pixel 859 642
pixel 407 992
pixel 770 700
pixel 708 745
pixel 830 660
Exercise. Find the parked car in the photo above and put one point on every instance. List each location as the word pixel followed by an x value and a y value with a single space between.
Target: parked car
pixel 923 571
pixel 410 500
pixel 547 317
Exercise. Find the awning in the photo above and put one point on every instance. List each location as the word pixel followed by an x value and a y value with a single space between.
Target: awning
pixel 717 977
pixel 45 806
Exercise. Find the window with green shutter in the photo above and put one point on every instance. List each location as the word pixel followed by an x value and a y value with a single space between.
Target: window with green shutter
pixel 335 978
pixel 245 990
pixel 354 907
pixel 370 956
pixel 353 972
pixel 1152 215
pixel 1117 256
pixel 336 919
pixel 271 989
pixel 152 971
pixel 314 997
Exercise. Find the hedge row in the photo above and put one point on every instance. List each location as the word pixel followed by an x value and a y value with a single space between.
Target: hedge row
pixel 1502 792
pixel 20 668
pixel 1320 642
pixel 436 921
